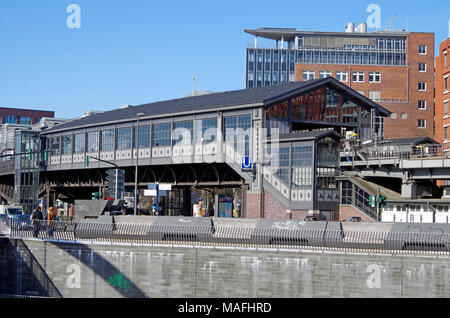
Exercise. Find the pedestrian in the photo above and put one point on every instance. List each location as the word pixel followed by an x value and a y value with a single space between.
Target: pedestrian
pixel 71 212
pixel 50 220
pixel 36 219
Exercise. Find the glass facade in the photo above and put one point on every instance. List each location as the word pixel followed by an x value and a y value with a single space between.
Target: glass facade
pixel 107 141
pixel 237 131
pixel 92 141
pixel 67 145
pixel 183 133
pixel 206 130
pixel 123 138
pixel 79 144
pixel 278 65
pixel 302 167
pixel 11 119
pixel 327 163
pixel 162 135
pixel 144 136
pixel 55 146
pixel 25 120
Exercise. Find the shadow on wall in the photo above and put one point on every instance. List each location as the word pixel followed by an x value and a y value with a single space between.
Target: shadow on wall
pixel 21 273
pixel 103 269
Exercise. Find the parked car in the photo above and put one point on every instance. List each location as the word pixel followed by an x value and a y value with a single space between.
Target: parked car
pixel 354 219
pixel 15 214
pixel 310 218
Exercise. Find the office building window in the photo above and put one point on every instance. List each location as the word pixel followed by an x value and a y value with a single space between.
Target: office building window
pixel 25 120
pixel 358 77
pixel 183 133
pixel 67 145
pixel 446 83
pixel 375 77
pixel 123 138
pixel 446 108
pixel 422 49
pixel 325 74
pixel 445 58
pixel 37 120
pixel 162 135
pixel 422 86
pixel 375 96
pixel 445 133
pixel 79 143
pixel 107 142
pixel 92 141
pixel 422 104
pixel 422 123
pixel 422 67
pixel 308 75
pixel 342 76
pixel 11 119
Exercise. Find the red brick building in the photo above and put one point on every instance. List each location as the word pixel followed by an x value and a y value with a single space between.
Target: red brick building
pixel 442 93
pixel 393 68
pixel 23 116
pixel 407 91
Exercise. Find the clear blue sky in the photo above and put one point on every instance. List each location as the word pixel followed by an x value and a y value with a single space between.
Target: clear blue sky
pixel 140 51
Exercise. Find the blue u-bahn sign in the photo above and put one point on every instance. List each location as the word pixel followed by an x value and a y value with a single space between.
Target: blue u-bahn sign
pixel 247 163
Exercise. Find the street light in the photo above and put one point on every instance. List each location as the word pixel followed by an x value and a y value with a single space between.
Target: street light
pixel 137 163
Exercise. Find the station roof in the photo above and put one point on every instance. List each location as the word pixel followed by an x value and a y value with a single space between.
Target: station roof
pixel 253 97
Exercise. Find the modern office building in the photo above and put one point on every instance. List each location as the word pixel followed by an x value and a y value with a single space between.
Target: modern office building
pixel 442 93
pixel 393 68
pixel 16 116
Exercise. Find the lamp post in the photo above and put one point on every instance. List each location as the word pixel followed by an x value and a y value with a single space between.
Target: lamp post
pixel 137 164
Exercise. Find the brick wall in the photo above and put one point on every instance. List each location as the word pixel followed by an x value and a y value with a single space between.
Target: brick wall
pixel 253 204
pixel 441 71
pixel 274 209
pixel 25 113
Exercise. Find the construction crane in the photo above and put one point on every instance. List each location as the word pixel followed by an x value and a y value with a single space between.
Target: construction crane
pixel 391 20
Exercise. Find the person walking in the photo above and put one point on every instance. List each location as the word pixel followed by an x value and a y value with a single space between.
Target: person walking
pixel 36 219
pixel 51 221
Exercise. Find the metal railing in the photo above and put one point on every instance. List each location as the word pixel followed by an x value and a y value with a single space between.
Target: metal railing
pixel 288 236
pixel 386 151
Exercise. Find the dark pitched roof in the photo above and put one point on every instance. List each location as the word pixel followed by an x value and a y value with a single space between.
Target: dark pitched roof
pixel 261 95
pixel 408 141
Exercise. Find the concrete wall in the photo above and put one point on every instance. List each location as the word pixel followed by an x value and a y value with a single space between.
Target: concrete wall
pixel 84 271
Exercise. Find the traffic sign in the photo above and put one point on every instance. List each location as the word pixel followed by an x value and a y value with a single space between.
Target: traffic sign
pixel 247 163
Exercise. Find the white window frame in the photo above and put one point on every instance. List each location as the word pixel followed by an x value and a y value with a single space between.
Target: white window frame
pixel 374 76
pixel 426 49
pixel 445 88
pixel 308 75
pixel 425 85
pixel 418 67
pixel 424 122
pixel 327 73
pixel 341 75
pixel 424 104
pixel 375 99
pixel 358 74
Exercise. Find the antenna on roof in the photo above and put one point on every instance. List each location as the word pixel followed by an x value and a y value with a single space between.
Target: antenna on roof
pixel 193 85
